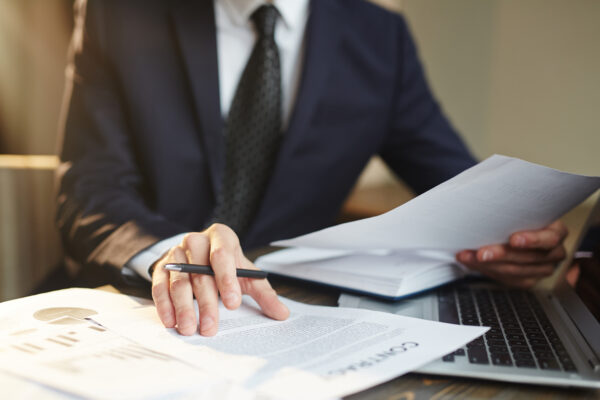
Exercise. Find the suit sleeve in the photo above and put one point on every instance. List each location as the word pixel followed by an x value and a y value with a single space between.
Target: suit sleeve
pixel 103 211
pixel 422 147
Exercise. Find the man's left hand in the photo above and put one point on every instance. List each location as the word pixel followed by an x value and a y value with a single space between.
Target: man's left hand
pixel 527 257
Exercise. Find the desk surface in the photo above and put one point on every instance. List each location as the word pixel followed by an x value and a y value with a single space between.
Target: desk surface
pixel 418 386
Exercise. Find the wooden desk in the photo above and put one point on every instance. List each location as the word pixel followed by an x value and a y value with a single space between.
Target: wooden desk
pixel 415 386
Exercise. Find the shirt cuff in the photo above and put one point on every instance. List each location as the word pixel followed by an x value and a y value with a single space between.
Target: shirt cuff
pixel 142 261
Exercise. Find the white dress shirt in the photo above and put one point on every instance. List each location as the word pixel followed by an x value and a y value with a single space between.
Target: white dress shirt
pixel 236 36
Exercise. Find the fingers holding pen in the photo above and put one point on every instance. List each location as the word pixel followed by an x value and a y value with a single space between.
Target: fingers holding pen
pixel 174 291
pixel 219 247
pixel 180 289
pixel 161 296
pixel 225 258
pixel 204 286
pixel 222 250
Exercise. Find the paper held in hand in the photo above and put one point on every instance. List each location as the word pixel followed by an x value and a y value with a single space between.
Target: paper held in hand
pixel 412 247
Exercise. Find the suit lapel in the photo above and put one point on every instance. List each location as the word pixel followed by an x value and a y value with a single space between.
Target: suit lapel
pixel 195 29
pixel 324 32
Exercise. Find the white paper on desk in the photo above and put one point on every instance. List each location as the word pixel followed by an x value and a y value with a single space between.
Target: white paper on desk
pixel 393 275
pixel 15 388
pixel 319 352
pixel 60 308
pixel 45 341
pixel 483 205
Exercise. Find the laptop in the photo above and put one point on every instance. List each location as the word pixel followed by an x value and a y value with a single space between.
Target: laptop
pixel 540 336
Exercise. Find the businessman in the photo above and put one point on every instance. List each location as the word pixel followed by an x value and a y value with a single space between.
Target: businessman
pixel 193 129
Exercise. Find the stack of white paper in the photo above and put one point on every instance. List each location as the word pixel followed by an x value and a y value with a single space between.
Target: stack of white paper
pixel 412 247
pixel 391 275
pixel 319 352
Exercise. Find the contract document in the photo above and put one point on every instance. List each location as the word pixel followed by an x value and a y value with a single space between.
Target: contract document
pixel 93 344
pixel 50 349
pixel 319 352
pixel 483 205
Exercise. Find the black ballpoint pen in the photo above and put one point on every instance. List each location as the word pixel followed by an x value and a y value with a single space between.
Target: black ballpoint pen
pixel 207 270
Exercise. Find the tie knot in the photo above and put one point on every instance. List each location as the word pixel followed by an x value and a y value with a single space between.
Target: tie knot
pixel 264 19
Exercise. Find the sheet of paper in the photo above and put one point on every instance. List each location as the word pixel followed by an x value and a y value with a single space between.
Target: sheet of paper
pixel 318 352
pixel 46 340
pixel 389 274
pixel 387 267
pixel 16 388
pixel 482 205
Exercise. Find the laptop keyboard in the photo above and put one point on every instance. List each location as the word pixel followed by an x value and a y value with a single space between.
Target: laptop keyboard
pixel 521 335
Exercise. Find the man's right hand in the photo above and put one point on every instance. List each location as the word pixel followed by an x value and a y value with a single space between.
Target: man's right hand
pixel 173 292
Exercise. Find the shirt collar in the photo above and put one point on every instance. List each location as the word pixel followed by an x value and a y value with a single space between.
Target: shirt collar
pixel 292 11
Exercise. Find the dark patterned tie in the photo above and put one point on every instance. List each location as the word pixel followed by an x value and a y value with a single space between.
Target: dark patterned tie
pixel 253 129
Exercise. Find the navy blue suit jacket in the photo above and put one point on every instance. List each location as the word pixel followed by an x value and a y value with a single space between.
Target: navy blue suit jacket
pixel 143 148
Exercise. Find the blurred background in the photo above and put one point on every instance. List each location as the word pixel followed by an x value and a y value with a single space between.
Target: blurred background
pixel 520 78
pixel 34 36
